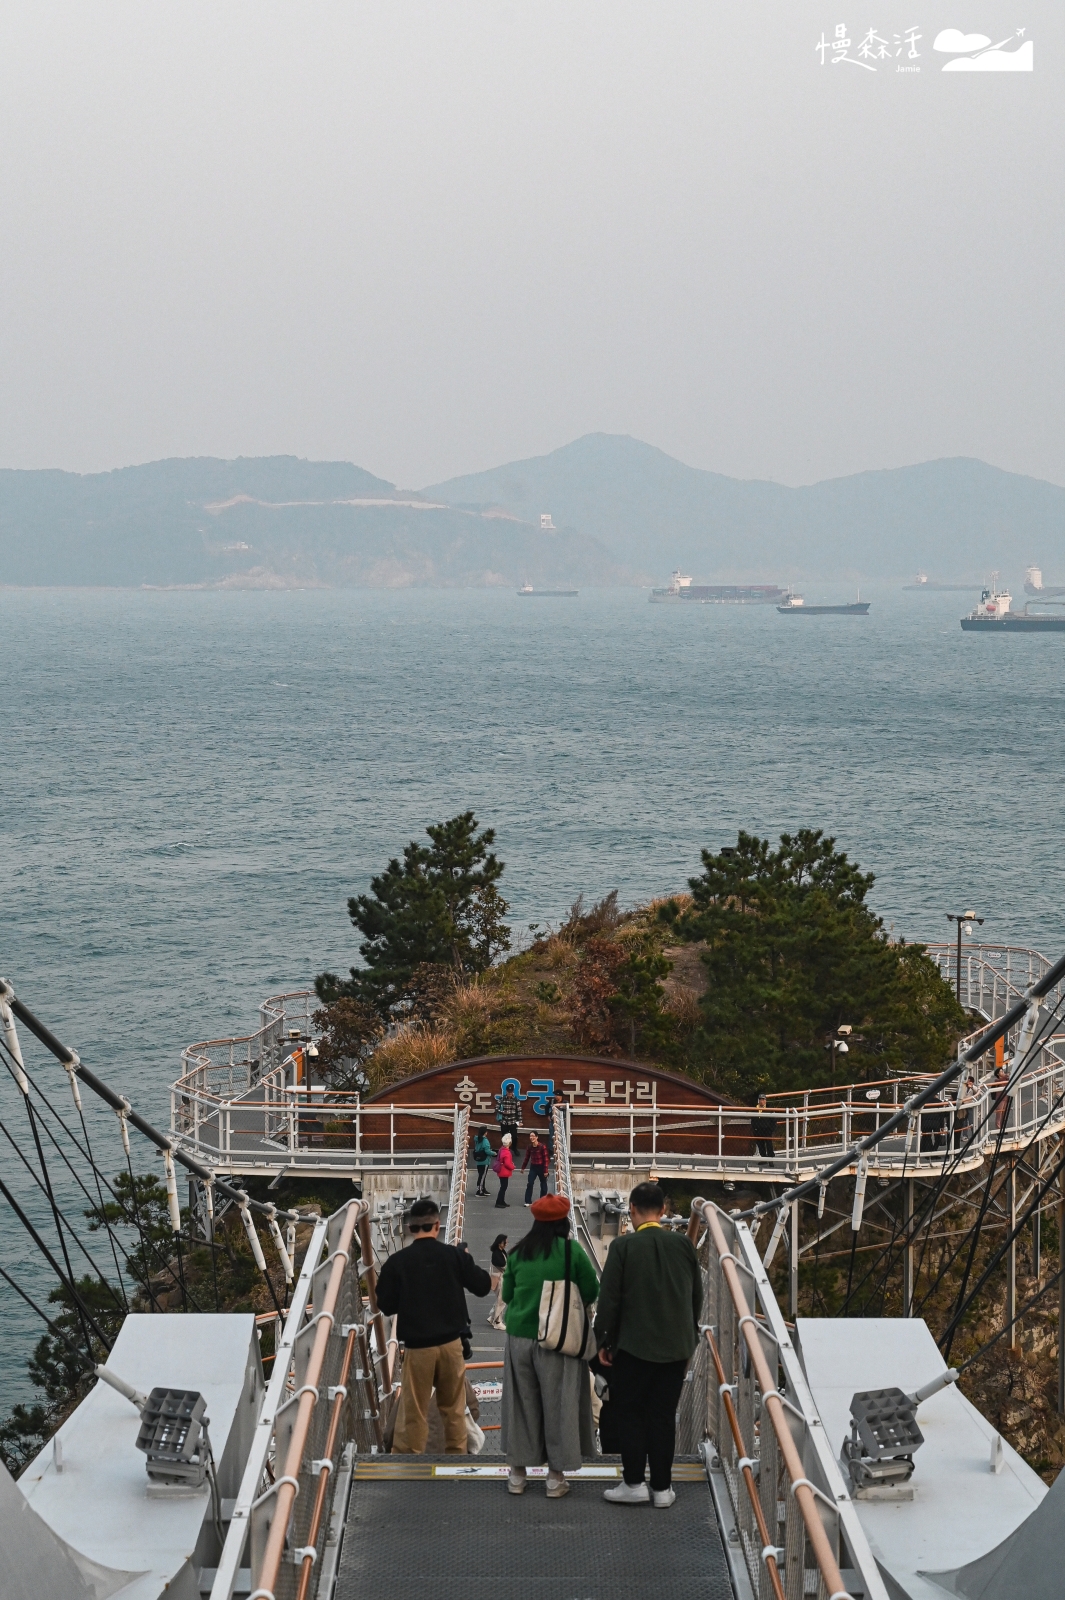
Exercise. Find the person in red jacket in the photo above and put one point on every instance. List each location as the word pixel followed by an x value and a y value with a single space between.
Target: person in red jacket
pixel 536 1161
pixel 504 1168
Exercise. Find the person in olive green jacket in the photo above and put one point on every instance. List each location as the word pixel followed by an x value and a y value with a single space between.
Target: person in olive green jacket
pixel 646 1327
pixel 547 1400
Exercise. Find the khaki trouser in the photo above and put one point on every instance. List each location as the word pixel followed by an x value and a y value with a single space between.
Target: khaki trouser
pixel 439 1366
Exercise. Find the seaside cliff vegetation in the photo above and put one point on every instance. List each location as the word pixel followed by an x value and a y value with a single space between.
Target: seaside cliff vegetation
pixel 741 982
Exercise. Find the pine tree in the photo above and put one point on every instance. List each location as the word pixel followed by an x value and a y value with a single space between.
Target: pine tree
pixel 439 906
pixel 792 952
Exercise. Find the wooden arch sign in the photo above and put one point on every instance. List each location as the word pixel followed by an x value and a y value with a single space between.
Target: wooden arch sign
pixel 589 1084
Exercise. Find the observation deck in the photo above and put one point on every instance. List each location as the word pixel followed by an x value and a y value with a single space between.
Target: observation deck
pixel 251 1106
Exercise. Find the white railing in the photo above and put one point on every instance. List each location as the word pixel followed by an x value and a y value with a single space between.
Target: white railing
pixel 226 1068
pixel 993 976
pixel 244 1104
pixel 748 1408
pixel 323 1403
pixel 456 1204
pixel 297 1132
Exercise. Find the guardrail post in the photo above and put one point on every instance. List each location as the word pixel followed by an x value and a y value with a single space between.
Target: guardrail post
pixel 1011 1256
pixel 907 1251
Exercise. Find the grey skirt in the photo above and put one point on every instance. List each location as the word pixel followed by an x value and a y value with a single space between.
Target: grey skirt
pixel 547 1407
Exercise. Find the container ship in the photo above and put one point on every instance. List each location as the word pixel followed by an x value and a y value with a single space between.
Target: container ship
pixel 718 594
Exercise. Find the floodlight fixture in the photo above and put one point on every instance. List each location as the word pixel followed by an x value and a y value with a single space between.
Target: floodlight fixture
pixel 173 1435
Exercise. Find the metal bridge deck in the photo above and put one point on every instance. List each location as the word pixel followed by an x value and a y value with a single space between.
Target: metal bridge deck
pixel 426 1526
pixel 451 1539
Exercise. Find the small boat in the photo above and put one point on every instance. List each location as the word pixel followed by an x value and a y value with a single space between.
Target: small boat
pixel 795 606
pixel 527 592
pixel 923 581
pixel 993 615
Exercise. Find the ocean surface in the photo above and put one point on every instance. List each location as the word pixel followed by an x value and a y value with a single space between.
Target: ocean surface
pixel 192 784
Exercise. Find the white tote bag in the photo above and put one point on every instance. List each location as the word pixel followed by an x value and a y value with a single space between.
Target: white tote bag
pixel 564 1326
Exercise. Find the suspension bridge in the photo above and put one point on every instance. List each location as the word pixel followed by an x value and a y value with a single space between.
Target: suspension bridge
pixel 298 1493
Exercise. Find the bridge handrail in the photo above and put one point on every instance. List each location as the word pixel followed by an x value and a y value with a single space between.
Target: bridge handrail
pixel 343 1129
pixel 994 976
pixel 456 1205
pixel 306 1422
pixel 777 1423
pixel 578 1225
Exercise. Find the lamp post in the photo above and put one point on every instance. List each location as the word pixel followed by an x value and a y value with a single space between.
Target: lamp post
pixel 838 1044
pixel 968 918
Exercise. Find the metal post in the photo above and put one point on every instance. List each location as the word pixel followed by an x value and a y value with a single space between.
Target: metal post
pixel 1061 1284
pixel 907 1254
pixel 957 969
pixel 793 1263
pixel 1011 1260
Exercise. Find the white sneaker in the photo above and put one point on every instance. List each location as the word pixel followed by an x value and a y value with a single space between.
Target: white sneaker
pixel 628 1494
pixel 663 1498
pixel 516 1481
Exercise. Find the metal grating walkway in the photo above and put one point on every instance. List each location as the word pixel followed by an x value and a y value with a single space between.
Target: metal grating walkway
pixel 447 1539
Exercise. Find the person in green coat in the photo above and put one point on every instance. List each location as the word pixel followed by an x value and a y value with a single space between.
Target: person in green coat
pixel 547 1401
pixel 646 1327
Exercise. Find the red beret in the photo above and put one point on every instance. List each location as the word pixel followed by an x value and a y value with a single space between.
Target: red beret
pixel 552 1208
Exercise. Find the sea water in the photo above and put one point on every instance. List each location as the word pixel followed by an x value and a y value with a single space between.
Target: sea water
pixel 193 784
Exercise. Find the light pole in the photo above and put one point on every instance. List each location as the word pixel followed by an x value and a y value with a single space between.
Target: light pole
pixel 838 1044
pixel 968 918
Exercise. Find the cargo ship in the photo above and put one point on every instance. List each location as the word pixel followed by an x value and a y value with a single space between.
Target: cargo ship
pixel 527 592
pixel 681 587
pixel 1034 585
pixel 795 606
pixel 993 615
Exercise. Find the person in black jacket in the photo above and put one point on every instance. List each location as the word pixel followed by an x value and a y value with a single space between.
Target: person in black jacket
pixel 424 1284
pixel 763 1127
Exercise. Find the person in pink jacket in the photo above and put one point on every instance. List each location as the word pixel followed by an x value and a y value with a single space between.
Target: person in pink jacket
pixel 504 1167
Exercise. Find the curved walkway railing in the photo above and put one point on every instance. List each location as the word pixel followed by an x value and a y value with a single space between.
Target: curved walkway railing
pixel 993 976
pixel 245 1105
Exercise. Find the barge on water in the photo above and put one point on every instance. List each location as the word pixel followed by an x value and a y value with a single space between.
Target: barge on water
pixel 681 587
pixel 795 606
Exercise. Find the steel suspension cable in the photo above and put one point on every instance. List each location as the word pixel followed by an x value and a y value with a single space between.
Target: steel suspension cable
pixel 146 1243
pixel 68 1282
pixel 70 1059
pixel 120 1303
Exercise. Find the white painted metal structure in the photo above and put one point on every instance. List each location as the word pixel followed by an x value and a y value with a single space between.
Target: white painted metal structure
pixel 969 1490
pixel 93 1490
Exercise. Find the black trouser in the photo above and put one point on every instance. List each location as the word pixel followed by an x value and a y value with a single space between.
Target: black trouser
pixel 482 1174
pixel 501 1197
pixel 534 1173
pixel 511 1128
pixel 765 1147
pixel 644 1396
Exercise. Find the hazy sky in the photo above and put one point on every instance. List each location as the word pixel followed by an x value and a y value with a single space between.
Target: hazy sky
pixel 432 237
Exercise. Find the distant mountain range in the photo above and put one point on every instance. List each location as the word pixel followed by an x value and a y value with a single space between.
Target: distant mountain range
pixel 623 512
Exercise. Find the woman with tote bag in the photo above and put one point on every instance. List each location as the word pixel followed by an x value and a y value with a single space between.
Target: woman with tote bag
pixel 548 1285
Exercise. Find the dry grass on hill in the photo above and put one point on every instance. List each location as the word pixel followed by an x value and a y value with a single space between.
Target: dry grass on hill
pixel 532 1003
